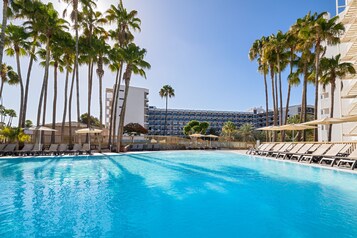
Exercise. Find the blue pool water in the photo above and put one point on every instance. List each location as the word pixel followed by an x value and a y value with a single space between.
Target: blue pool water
pixel 174 194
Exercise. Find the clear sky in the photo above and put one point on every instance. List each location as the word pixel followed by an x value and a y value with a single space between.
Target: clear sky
pixel 199 47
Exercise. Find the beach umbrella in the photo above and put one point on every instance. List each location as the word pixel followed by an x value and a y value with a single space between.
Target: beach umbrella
pixel 324 121
pixel 196 135
pixel 269 128
pixel 349 118
pixel 89 131
pixel 210 138
pixel 41 128
pixel 295 127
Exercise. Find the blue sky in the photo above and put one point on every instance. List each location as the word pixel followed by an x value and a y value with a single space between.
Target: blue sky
pixel 198 47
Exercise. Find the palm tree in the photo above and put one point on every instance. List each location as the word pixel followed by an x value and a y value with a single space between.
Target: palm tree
pixel 331 69
pixel 68 59
pixel 228 129
pixel 17 45
pixel 166 92
pixel 75 15
pixel 256 53
pixel 247 132
pixel 102 49
pixel 277 44
pixel 91 22
pixel 5 8
pixel 125 22
pixel 28 10
pixel 51 24
pixel 116 62
pixel 328 31
pixel 11 113
pixel 133 56
pixel 9 76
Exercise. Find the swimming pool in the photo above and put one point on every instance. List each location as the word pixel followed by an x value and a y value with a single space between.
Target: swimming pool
pixel 174 194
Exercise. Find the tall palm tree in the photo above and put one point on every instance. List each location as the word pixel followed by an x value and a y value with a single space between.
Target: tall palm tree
pixel 328 31
pixel 256 53
pixel 102 49
pixel 75 18
pixel 166 92
pixel 116 62
pixel 277 44
pixel 7 76
pixel 331 69
pixel 134 58
pixel 291 44
pixel 17 45
pixel 5 9
pixel 51 24
pixel 125 22
pixel 28 10
pixel 91 24
pixel 68 59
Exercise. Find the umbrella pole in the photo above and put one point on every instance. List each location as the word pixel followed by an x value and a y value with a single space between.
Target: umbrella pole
pixel 293 136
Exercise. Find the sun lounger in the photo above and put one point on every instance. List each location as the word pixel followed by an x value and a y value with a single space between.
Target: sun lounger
pixel 293 150
pixel 37 150
pixel 267 149
pixel 339 153
pixel 156 147
pixel 284 148
pixel 2 147
pixel 303 151
pixel 9 150
pixel 275 149
pixel 86 149
pixel 350 160
pixel 317 153
pixel 62 149
pixel 75 150
pixel 262 147
pixel 52 150
pixel 26 150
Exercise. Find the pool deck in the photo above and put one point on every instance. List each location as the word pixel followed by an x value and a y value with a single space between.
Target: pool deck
pixel 243 152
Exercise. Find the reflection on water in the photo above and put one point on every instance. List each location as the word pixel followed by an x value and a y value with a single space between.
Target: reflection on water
pixel 174 194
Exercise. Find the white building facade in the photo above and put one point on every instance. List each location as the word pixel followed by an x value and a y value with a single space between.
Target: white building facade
pixel 136 109
pixel 346 88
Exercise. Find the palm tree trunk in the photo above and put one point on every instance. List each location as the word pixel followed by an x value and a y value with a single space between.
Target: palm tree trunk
pixel 112 109
pixel 65 106
pixel 75 7
pixel 333 86
pixel 165 128
pixel 116 101
pixel 44 81
pixel 273 95
pixel 27 86
pixel 89 93
pixel 101 101
pixel 21 86
pixel 54 112
pixel 266 104
pixel 3 27
pixel 303 101
pixel 317 68
pixel 1 88
pixel 70 105
pixel 288 96
pixel 122 115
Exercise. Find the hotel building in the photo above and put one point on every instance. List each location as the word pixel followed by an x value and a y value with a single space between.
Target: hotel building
pixel 136 109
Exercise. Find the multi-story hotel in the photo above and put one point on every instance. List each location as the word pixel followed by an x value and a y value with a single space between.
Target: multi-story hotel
pixel 346 88
pixel 178 118
pixel 137 106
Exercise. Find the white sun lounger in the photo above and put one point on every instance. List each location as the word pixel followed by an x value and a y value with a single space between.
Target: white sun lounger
pixel 295 149
pixel 284 148
pixel 330 155
pixel 317 153
pixel 303 151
